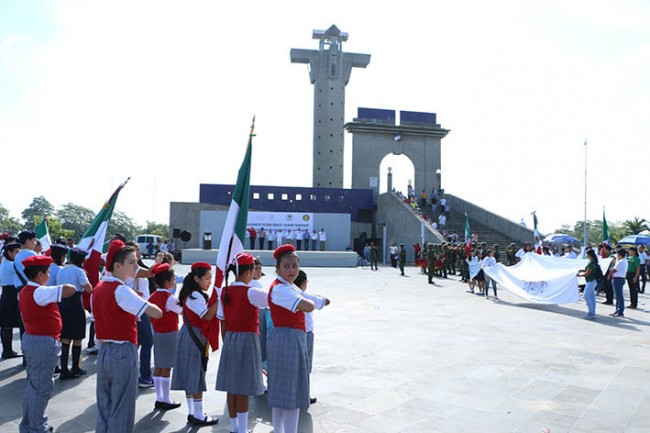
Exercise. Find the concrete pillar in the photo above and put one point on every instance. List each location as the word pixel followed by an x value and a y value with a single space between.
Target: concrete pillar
pixel 329 72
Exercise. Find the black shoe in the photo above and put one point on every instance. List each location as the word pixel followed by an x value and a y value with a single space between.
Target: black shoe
pixel 312 400
pixel 207 420
pixel 163 405
pixel 608 303
pixel 57 370
pixel 68 375
pixel 11 355
pixel 79 371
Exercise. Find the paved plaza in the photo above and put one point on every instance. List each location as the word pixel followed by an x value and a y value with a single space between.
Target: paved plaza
pixel 395 354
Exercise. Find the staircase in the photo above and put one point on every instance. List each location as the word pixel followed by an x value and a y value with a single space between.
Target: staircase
pixel 403 224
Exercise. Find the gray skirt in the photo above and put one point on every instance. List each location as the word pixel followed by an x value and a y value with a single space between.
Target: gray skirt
pixel 240 367
pixel 164 349
pixel 310 349
pixel 288 369
pixel 188 373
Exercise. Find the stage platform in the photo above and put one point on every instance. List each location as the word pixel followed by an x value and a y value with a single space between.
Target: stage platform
pixel 315 259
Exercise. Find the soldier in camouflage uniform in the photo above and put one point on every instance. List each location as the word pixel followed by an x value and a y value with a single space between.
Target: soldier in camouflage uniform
pixel 431 263
pixel 511 250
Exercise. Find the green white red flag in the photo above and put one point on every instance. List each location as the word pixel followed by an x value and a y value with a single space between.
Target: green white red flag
pixel 43 235
pixel 605 229
pixel 234 231
pixel 92 240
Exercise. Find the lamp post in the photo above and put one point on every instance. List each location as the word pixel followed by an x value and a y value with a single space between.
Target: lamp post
pixel 389 183
pixel 439 177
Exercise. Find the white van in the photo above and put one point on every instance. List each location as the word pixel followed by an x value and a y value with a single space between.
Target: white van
pixel 147 244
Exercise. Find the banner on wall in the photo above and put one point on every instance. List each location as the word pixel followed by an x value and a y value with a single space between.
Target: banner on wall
pixel 281 221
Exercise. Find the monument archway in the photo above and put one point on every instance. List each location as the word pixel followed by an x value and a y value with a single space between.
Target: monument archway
pixel 376 133
pixel 402 171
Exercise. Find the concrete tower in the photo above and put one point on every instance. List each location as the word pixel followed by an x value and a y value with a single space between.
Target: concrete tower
pixel 329 72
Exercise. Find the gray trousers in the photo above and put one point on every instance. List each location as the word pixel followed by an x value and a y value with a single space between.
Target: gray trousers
pixel 117 385
pixel 41 353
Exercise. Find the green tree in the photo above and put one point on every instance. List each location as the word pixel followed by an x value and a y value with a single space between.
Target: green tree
pixel 635 226
pixel 39 207
pixel 75 218
pixel 8 223
pixel 153 228
pixel 121 223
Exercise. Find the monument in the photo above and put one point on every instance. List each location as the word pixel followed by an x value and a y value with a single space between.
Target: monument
pixel 329 72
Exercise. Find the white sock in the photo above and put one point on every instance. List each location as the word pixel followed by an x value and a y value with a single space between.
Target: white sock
pixel 291 420
pixel 277 415
pixel 156 385
pixel 165 386
pixel 198 408
pixel 190 404
pixel 242 420
pixel 234 425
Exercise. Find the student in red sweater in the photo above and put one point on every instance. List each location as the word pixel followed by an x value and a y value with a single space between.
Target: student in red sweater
pixel 41 341
pixel 240 367
pixel 165 333
pixel 116 308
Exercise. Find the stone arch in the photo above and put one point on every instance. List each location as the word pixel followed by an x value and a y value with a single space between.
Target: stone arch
pixel 402 170
pixel 375 134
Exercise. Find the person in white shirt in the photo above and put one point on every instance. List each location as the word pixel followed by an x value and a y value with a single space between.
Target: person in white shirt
pixel 488 262
pixel 570 254
pixel 322 238
pixel 442 220
pixel 279 237
pixel 314 239
pixel 319 302
pixel 617 275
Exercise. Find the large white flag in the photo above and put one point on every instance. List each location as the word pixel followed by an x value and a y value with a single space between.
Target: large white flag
pixel 544 279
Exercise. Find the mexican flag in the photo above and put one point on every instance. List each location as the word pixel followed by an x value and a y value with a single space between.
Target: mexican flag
pixel 43 235
pixel 468 235
pixel 92 240
pixel 605 229
pixel 234 231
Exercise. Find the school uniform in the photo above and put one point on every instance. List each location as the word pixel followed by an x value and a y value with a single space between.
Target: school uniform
pixel 41 349
pixel 265 324
pixel 189 375
pixel 319 303
pixel 9 311
pixel 240 367
pixel 116 308
pixel 165 329
pixel 20 278
pixel 54 271
pixel 288 359
pixel 72 310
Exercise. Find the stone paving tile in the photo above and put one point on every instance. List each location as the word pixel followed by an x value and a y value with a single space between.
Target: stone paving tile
pixel 395 354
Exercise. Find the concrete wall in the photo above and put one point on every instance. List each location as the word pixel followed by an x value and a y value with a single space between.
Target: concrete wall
pixel 186 216
pixel 491 220
pixel 337 227
pixel 402 225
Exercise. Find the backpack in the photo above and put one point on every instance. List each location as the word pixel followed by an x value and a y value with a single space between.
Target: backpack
pixel 598 273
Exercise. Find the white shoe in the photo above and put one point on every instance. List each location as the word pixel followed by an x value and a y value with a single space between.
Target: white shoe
pixel 93 349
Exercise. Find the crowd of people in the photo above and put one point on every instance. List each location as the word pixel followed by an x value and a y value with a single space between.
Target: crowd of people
pixel 627 267
pixel 303 240
pixel 135 308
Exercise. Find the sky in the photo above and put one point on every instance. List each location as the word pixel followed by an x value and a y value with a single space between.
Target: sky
pixel 164 92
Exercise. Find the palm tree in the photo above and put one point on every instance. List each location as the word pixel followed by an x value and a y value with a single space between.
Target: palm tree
pixel 635 226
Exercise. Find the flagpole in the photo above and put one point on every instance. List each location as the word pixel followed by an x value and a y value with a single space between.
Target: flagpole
pixel 585 232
